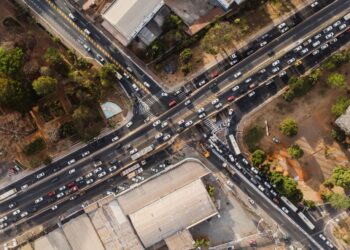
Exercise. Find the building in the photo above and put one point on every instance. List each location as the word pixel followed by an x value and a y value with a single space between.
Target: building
pixel 343 121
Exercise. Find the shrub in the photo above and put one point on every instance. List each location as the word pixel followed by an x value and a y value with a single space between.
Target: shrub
pixel 34 147
pixel 295 151
pixel 289 127
pixel 258 157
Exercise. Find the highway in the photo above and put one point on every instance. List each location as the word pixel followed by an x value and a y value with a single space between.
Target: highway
pixel 144 135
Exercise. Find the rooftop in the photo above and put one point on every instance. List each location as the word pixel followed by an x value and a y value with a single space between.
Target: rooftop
pixel 343 121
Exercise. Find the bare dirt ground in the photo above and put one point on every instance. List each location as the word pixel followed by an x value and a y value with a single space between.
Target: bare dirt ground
pixel 255 20
pixel 313 115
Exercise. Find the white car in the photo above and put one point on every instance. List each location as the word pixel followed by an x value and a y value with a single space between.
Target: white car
pixel 334 40
pixel 322 237
pixel 232 159
pixel 329 36
pixel 126 75
pixel 87 48
pixel 129 69
pixel 233 62
pixel 187 102
pixel 336 24
pixel 275 63
pixel 181 122
pixel 116 138
pixel 315 52
pixel 24 214
pixel 314 4
pixel 275 69
pixel 97 170
pixel 296 49
pixel 266 184
pixel 147 84
pixel 315 44
pixel 100 175
pixel 166 137
pixel 261 188
pixel 97 163
pixel 245 161
pixel 237 74
pixel 141 178
pixel 71 16
pixel 71 171
pixel 62 188
pixel 248 80
pixel 85 153
pixel 343 26
pixel 215 101
pixel 40 199
pixel 251 94
pixel 273 192
pixel 254 170
pixel 201 110
pixel 201 83
pixel 202 115
pixel 159 135
pixel 129 124
pixel 89 181
pixel 42 174
pixel 281 25
pixel 134 86
pixel 16 212
pixel 71 161
pixel 230 112
pixel 164 124
pixel 304 51
pixel 100 58
pixel 324 46
pixel 54 208
pixel 263 43
pixel 282 73
pixel 113 168
pixel 188 123
pixel 262 71
pixel 156 123
pixel 24 186
pixel 86 31
pixel 60 195
pixel 233 56
pixel 292 60
pixel 285 210
pixel 219 105
pixel 318 36
pixel 3 219
pixel 235 88
pixel 328 243
pixel 88 175
pixel 133 151
pixel 164 94
pixel 284 29
pixel 328 29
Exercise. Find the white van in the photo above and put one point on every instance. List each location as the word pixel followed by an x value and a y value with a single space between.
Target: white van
pixel 87 32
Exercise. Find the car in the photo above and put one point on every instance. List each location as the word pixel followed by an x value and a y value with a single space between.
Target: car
pixel 233 62
pixel 275 63
pixel 307 42
pixel 87 48
pixel 146 84
pixel 97 163
pixel 275 69
pixel 329 36
pixel 127 76
pixel 159 135
pixel 134 86
pixel 315 44
pixel 322 237
pixel 262 71
pixel 115 138
pixel 51 193
pixel 156 123
pixel 129 69
pixel 164 124
pixel 237 74
pixel 100 175
pixel 273 192
pixel 215 101
pixel 129 124
pixel 188 123
pixel 71 161
pixel 85 153
pixel 214 74
pixel 100 58
pixel 334 40
pixel 254 170
pixel 162 165
pixel 24 186
pixel 89 181
pixel 253 181
pixel 87 32
pixel 16 212
pixel 328 243
pixel 146 120
pixel 56 169
pixel 285 210
pixel 164 94
pixel 2 219
pixel 233 56
pixel 315 52
pixel 143 163
pixel 281 25
pixel 62 188
pixel 263 43
pixel 248 80
pixel 328 29
pixel 336 24
pixel 40 175
pixel 12 205
pixel 201 83
pixel 269 82
pixel 166 137
pixel 3 225
pixel 251 94
pixel 95 171
pixel 258 177
pixel 202 115
pixel 88 175
pixel 296 49
pixel 282 73
pixel 79 179
pixel 71 16
pixel 133 151
pixel 266 184
pixel 318 36
pixel 291 60
pixel 24 214
pixel 314 4
pixel 261 188
pixel 230 98
pixel 219 105
pixel 235 88
pixel 134 179
pixel 71 171
pixel 343 26
pixel 38 200
pixel 187 102
pixel 59 195
pixel 232 159
pixel 141 178
pixel 230 112
pixel 324 46
pixel 54 207
pixel 284 29
pixel 304 51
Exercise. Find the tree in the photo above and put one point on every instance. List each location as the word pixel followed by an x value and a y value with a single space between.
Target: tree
pixel 66 129
pixel 295 151
pixel 15 95
pixel 336 60
pixel 185 56
pixel 340 106
pixel 338 201
pixel 253 137
pixel 258 157
pixel 289 127
pixel 338 135
pixel 310 204
pixel 108 74
pixel 336 80
pixel 34 147
pixel 341 177
pixel 44 85
pixel 53 58
pixel 11 61
pixel 286 186
pixel 211 190
pixel 186 68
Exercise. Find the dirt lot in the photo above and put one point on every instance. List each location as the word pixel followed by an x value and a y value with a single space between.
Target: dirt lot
pixel 257 20
pixel 314 118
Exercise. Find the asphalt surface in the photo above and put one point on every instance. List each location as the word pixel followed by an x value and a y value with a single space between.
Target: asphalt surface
pixel 110 151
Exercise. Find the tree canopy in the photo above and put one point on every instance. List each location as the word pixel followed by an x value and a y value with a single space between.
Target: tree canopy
pixel 340 106
pixel 289 127
pixel 286 186
pixel 336 80
pixel 295 151
pixel 44 85
pixel 108 74
pixel 341 177
pixel 258 157
pixel 11 61
pixel 338 201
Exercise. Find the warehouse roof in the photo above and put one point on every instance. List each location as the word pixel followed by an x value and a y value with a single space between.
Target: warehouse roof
pixel 130 16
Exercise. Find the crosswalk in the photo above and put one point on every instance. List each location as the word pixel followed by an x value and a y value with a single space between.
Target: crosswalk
pixel 212 126
pixel 150 100
pixel 182 96
pixel 145 109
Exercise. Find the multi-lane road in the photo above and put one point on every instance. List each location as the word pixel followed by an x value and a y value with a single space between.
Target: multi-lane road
pixel 47 182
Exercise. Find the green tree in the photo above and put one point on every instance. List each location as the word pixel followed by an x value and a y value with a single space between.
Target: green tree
pixel 211 190
pixel 310 204
pixel 338 201
pixel 336 80
pixel 173 22
pixel 66 129
pixel 44 85
pixel 299 86
pixel 185 56
pixel 258 157
pixel 286 186
pixel 34 147
pixel 15 95
pixel 336 60
pixel 108 74
pixel 253 137
pixel 341 177
pixel 53 58
pixel 11 61
pixel 340 106
pixel 201 242
pixel 289 127
pixel 295 151
pixel 186 68
pixel 338 135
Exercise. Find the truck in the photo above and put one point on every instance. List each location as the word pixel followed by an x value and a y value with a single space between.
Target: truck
pixel 8 193
pixel 142 152
pixel 131 169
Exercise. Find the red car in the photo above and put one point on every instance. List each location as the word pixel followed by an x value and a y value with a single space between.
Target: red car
pixel 72 184
pixel 230 98
pixel 214 74
pixel 51 193
pixel 172 103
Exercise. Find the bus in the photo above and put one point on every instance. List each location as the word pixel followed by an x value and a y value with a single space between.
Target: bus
pixel 8 193
pixel 234 145
pixel 306 221
pixel 129 170
pixel 289 204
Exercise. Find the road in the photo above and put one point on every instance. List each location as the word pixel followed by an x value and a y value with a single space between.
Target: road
pixel 144 135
